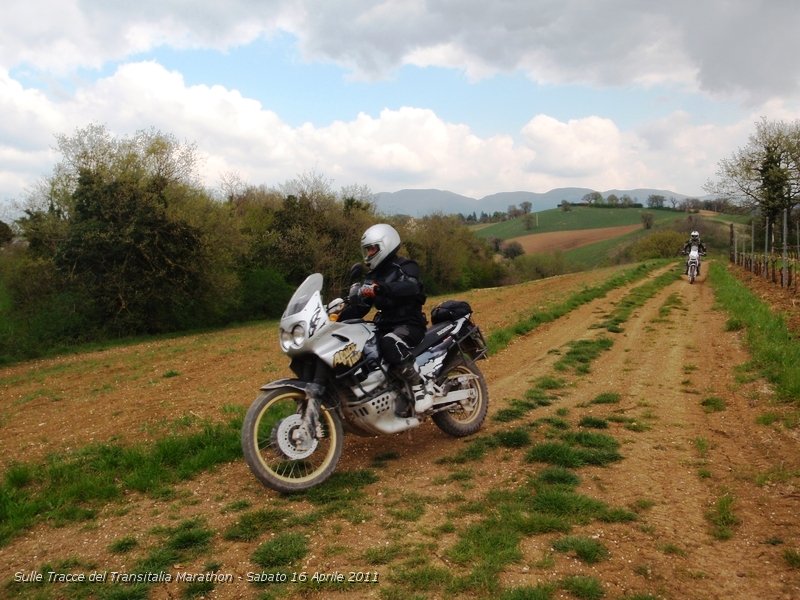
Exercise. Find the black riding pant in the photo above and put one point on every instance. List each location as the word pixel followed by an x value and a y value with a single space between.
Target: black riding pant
pixel 395 344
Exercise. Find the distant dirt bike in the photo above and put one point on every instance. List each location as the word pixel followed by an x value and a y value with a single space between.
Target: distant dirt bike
pixel 292 436
pixel 693 263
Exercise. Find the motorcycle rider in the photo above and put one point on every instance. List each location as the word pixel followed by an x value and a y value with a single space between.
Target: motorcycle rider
pixel 393 286
pixel 694 240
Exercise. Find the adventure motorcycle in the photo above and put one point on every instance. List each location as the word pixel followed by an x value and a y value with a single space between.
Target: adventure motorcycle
pixel 693 264
pixel 292 435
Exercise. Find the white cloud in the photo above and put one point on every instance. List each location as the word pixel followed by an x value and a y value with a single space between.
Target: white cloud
pixel 725 47
pixel 408 147
pixel 736 48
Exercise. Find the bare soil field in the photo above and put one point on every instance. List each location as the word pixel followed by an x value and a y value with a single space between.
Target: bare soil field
pixel 678 457
pixel 568 240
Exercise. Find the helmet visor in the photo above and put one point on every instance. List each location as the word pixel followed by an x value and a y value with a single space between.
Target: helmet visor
pixel 370 250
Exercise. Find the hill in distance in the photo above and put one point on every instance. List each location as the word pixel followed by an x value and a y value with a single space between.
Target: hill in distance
pixel 421 202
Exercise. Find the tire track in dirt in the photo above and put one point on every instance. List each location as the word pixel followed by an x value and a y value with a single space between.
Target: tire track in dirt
pixel 663 369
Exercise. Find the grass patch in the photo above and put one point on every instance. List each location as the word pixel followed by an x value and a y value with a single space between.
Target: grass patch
pixel 546 503
pixel 282 551
pixel 500 338
pixel 69 488
pixel 713 404
pixel 722 518
pixel 410 508
pixel 583 587
pixel 701 445
pixel 475 450
pixel 768 418
pixel 123 545
pixel 606 398
pixel 577 449
pixel 543 591
pixel 593 423
pixel 636 298
pixel 581 353
pixel 673 302
pixel 250 526
pixel 792 557
pixel 383 555
pixel 584 548
pixel 180 543
pixel 515 438
pixel 775 351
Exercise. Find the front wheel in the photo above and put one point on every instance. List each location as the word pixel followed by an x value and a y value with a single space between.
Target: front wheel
pixel 465 418
pixel 278 449
pixel 692 273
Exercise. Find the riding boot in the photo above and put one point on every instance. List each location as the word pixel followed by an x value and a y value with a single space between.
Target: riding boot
pixel 423 398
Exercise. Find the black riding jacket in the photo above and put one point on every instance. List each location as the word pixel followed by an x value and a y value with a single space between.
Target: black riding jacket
pixel 688 246
pixel 399 295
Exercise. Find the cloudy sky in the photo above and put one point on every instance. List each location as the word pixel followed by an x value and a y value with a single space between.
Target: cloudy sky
pixel 470 96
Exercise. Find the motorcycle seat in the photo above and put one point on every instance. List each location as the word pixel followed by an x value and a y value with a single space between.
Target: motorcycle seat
pixel 433 336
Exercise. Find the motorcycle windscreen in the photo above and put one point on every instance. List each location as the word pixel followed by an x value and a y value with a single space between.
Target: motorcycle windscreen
pixel 303 294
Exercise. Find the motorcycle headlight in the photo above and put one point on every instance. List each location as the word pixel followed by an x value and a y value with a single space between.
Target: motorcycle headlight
pixel 286 339
pixel 293 338
pixel 298 334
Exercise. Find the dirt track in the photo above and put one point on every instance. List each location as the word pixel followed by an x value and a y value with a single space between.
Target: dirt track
pixel 684 461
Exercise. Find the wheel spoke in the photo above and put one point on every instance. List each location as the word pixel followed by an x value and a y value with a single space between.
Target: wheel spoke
pixel 279 452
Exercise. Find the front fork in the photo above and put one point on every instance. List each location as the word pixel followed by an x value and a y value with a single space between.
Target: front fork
pixel 311 427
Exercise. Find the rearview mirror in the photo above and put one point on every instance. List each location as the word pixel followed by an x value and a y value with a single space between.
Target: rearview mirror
pixel 356 272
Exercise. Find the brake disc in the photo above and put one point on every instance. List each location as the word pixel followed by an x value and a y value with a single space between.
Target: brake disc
pixel 291 437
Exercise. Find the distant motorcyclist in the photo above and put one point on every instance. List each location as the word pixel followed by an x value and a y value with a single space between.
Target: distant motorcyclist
pixel 694 240
pixel 394 287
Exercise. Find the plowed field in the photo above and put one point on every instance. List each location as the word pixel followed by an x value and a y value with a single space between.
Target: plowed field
pixel 568 240
pixel 684 415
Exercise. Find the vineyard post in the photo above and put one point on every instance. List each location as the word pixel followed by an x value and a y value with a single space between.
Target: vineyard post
pixel 732 246
pixel 785 274
pixel 766 248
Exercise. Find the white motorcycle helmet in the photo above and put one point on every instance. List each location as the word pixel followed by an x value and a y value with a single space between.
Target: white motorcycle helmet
pixel 378 242
pixel 695 237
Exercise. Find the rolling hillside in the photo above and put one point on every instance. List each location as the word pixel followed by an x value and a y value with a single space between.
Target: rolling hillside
pixel 579 217
pixel 622 458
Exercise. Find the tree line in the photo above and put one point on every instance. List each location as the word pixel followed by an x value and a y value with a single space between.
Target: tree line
pixel 121 240
pixel 763 177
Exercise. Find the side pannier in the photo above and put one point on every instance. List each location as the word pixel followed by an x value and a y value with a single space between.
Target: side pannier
pixel 449 310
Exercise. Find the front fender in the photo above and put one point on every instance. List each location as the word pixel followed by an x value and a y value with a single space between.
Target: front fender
pixel 297 384
pixel 309 388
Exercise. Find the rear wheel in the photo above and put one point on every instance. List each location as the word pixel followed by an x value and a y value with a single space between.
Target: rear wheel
pixel 279 450
pixel 466 417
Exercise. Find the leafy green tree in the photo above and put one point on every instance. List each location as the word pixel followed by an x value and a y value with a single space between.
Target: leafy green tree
pixel 529 221
pixel 765 173
pixel 450 256
pixel 6 233
pixel 142 269
pixel 512 250
pixel 122 222
pixel 662 244
pixel 537 266
pixel 592 198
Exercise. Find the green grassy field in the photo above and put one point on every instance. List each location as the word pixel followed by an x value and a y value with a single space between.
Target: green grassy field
pixel 580 217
